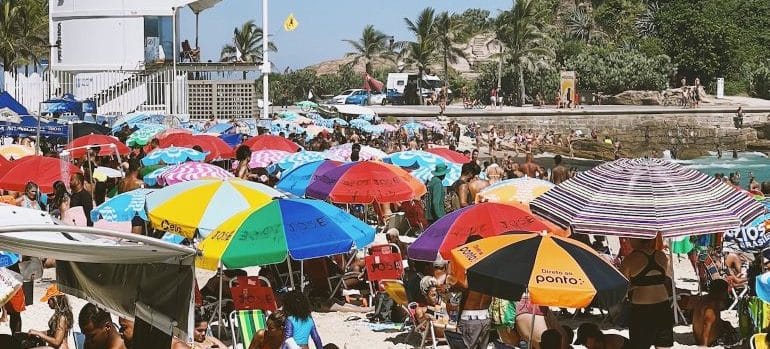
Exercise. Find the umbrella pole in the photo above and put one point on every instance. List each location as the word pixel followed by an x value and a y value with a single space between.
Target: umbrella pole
pixel 219 306
pixel 302 276
pixel 291 273
pixel 674 304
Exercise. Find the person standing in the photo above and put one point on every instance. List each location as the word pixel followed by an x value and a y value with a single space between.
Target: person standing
pixel 81 197
pixel 60 324
pixel 435 201
pixel 474 322
pixel 30 199
pixel 738 119
pixel 650 320
pixel 559 173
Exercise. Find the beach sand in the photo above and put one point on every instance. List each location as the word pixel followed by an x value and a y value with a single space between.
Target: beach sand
pixel 359 334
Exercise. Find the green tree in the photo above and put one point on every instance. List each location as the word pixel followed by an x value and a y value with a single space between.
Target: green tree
pixel 617 18
pixel 422 52
pixel 580 25
pixel 23 32
pixel 246 45
pixel 475 21
pixel 371 45
pixel 527 47
pixel 449 34
pixel 613 70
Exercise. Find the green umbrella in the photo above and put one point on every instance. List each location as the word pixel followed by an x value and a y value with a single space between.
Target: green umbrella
pixel 307 105
pixel 149 169
pixel 143 136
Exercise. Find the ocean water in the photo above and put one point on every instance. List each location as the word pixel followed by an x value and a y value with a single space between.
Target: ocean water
pixel 747 164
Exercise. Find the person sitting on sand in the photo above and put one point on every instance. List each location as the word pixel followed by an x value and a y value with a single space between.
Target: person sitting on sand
pixel 200 339
pixel 300 326
pixel 590 336
pixel 434 306
pixel 98 329
pixel 272 336
pixel 707 326
pixel 542 318
pixel 60 323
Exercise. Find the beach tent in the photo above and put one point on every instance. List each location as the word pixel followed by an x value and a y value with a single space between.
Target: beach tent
pixel 134 276
pixel 7 101
pixel 28 127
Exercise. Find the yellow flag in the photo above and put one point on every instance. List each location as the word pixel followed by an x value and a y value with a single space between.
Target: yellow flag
pixel 290 23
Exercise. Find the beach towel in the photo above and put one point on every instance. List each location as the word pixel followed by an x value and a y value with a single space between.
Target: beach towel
pixel 681 245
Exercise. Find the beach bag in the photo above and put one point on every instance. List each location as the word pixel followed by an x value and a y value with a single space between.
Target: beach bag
pixel 10 284
pixel 502 312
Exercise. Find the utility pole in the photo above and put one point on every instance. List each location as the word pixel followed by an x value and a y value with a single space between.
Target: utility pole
pixel 265 64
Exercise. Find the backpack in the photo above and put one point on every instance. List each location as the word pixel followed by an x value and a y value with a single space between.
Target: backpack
pixel 502 312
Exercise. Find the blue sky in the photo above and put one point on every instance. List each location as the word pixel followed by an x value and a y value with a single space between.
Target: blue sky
pixel 323 24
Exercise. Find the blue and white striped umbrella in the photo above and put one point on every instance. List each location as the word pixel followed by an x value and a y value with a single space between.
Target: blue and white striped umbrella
pixel 373 129
pixel 151 178
pixel 412 158
pixel 122 207
pixel 368 117
pixel 339 121
pixel 359 123
pixel 412 126
pixel 300 158
pixel 172 155
pixel 452 173
pixel 8 259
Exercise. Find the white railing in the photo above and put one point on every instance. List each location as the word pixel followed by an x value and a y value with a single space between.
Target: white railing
pixel 115 92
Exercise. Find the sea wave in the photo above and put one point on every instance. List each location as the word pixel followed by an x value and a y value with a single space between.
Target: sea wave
pixel 726 166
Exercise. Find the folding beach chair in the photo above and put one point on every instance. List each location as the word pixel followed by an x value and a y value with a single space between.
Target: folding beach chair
pixel 244 325
pixel 397 292
pixel 758 341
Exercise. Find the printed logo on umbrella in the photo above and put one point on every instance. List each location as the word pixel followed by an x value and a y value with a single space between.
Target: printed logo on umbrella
pixel 170 227
pixel 551 276
pixel 471 253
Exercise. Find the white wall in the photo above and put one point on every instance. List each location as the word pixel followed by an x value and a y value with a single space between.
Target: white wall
pixel 107 43
pixel 95 8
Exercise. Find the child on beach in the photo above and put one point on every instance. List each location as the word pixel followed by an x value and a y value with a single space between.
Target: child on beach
pixel 300 327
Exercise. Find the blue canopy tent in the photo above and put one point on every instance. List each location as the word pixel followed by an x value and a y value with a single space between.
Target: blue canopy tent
pixel 28 127
pixel 7 101
pixel 68 104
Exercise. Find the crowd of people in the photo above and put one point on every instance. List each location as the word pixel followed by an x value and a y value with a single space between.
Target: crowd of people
pixel 475 316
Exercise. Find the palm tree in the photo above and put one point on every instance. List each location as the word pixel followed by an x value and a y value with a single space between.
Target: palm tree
pixel 422 51
pixel 23 33
pixel 580 25
pixel 371 45
pixel 246 46
pixel 526 45
pixel 449 32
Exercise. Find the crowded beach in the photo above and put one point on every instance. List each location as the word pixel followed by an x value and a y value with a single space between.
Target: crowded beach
pixel 332 231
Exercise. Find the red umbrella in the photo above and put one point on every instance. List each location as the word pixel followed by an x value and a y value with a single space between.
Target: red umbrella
pixel 263 142
pixel 450 155
pixel 41 170
pixel 216 147
pixel 3 162
pixel 365 182
pixel 107 145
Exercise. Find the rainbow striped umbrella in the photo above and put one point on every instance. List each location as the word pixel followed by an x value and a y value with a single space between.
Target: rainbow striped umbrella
pixel 641 197
pixel 516 190
pixel 367 153
pixel 191 171
pixel 144 135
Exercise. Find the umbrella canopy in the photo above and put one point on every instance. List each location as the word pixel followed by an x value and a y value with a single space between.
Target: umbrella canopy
pixel 450 155
pixel 16 151
pixel 101 173
pixel 295 181
pixel 199 6
pixel 172 155
pixel 122 207
pixel 191 171
pixel 515 190
pixel 263 142
pixel 144 135
pixel 295 160
pixel 343 151
pixel 264 158
pixel 433 125
pixel 172 131
pixel 214 146
pixel 307 105
pixel 43 171
pixel 107 145
pixel 8 259
pixel 556 271
pixel 365 182
pixel 301 228
pixel 359 123
pixel 152 177
pixel 424 174
pixel 203 205
pixel 485 220
pixel 414 158
pixel 4 161
pixel 641 197
pixel 412 126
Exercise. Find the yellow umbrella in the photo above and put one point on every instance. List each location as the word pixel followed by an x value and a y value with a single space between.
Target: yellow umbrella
pixel 16 151
pixel 514 191
pixel 200 206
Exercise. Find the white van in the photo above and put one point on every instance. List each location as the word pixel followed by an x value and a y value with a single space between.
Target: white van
pixel 429 84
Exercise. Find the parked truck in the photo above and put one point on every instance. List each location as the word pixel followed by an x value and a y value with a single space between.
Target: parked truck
pixel 407 85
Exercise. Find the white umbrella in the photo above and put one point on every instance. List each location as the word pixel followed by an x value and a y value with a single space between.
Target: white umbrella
pixel 197 7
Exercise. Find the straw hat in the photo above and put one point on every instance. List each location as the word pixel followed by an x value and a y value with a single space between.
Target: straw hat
pixel 51 292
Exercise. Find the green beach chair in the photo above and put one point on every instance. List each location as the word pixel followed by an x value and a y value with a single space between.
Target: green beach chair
pixel 244 325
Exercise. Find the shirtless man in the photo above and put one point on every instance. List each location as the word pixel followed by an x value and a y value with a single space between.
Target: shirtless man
pixel 131 181
pixel 707 326
pixel 462 185
pixel 474 322
pixel 530 168
pixel 98 329
pixel 476 184
pixel 737 266
pixel 559 173
pixel 494 172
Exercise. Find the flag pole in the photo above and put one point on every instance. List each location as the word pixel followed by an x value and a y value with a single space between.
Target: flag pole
pixel 265 64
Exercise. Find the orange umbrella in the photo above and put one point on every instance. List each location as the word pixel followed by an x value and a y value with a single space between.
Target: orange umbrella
pixel 263 142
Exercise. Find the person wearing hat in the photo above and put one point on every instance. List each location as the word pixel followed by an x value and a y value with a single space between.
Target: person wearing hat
pixel 590 336
pixel 61 322
pixel 434 208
